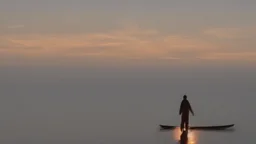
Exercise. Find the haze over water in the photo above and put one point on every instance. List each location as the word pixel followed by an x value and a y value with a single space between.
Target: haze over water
pixel 109 72
pixel 64 105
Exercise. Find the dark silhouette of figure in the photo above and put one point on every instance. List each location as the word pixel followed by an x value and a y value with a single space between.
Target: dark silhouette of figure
pixel 184 137
pixel 185 107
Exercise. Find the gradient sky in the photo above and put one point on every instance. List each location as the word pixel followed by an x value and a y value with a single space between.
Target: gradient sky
pixel 161 32
pixel 68 66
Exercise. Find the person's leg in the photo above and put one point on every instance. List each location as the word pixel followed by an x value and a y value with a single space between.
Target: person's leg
pixel 182 123
pixel 181 126
pixel 187 122
pixel 186 126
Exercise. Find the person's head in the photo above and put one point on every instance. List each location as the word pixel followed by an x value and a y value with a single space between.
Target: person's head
pixel 185 97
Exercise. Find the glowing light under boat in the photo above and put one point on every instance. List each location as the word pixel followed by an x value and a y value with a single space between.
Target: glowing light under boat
pixel 191 136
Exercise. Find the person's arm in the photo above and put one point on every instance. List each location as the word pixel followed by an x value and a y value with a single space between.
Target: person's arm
pixel 181 107
pixel 190 108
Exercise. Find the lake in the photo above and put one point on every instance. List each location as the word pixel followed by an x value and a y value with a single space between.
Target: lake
pixel 124 106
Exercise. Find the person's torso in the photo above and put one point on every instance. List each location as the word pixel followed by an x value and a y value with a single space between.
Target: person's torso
pixel 185 107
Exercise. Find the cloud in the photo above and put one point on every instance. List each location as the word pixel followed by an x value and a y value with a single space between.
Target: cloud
pixel 170 58
pixel 230 33
pixel 240 56
pixel 129 43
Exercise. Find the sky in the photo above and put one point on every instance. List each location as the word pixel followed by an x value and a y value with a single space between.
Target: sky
pixel 114 32
pixel 68 66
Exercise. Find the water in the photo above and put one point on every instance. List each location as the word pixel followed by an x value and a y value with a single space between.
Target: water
pixel 94 106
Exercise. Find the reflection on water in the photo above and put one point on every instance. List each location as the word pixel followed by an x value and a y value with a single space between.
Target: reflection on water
pixel 190 136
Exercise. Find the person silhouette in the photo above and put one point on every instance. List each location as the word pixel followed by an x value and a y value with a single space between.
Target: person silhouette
pixel 185 108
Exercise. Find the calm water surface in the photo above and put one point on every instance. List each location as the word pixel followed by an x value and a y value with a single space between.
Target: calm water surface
pixel 123 107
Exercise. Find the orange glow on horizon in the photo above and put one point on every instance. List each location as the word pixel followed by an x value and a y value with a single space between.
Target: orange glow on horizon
pixel 125 45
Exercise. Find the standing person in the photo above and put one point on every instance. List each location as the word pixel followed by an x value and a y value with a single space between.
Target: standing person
pixel 185 107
